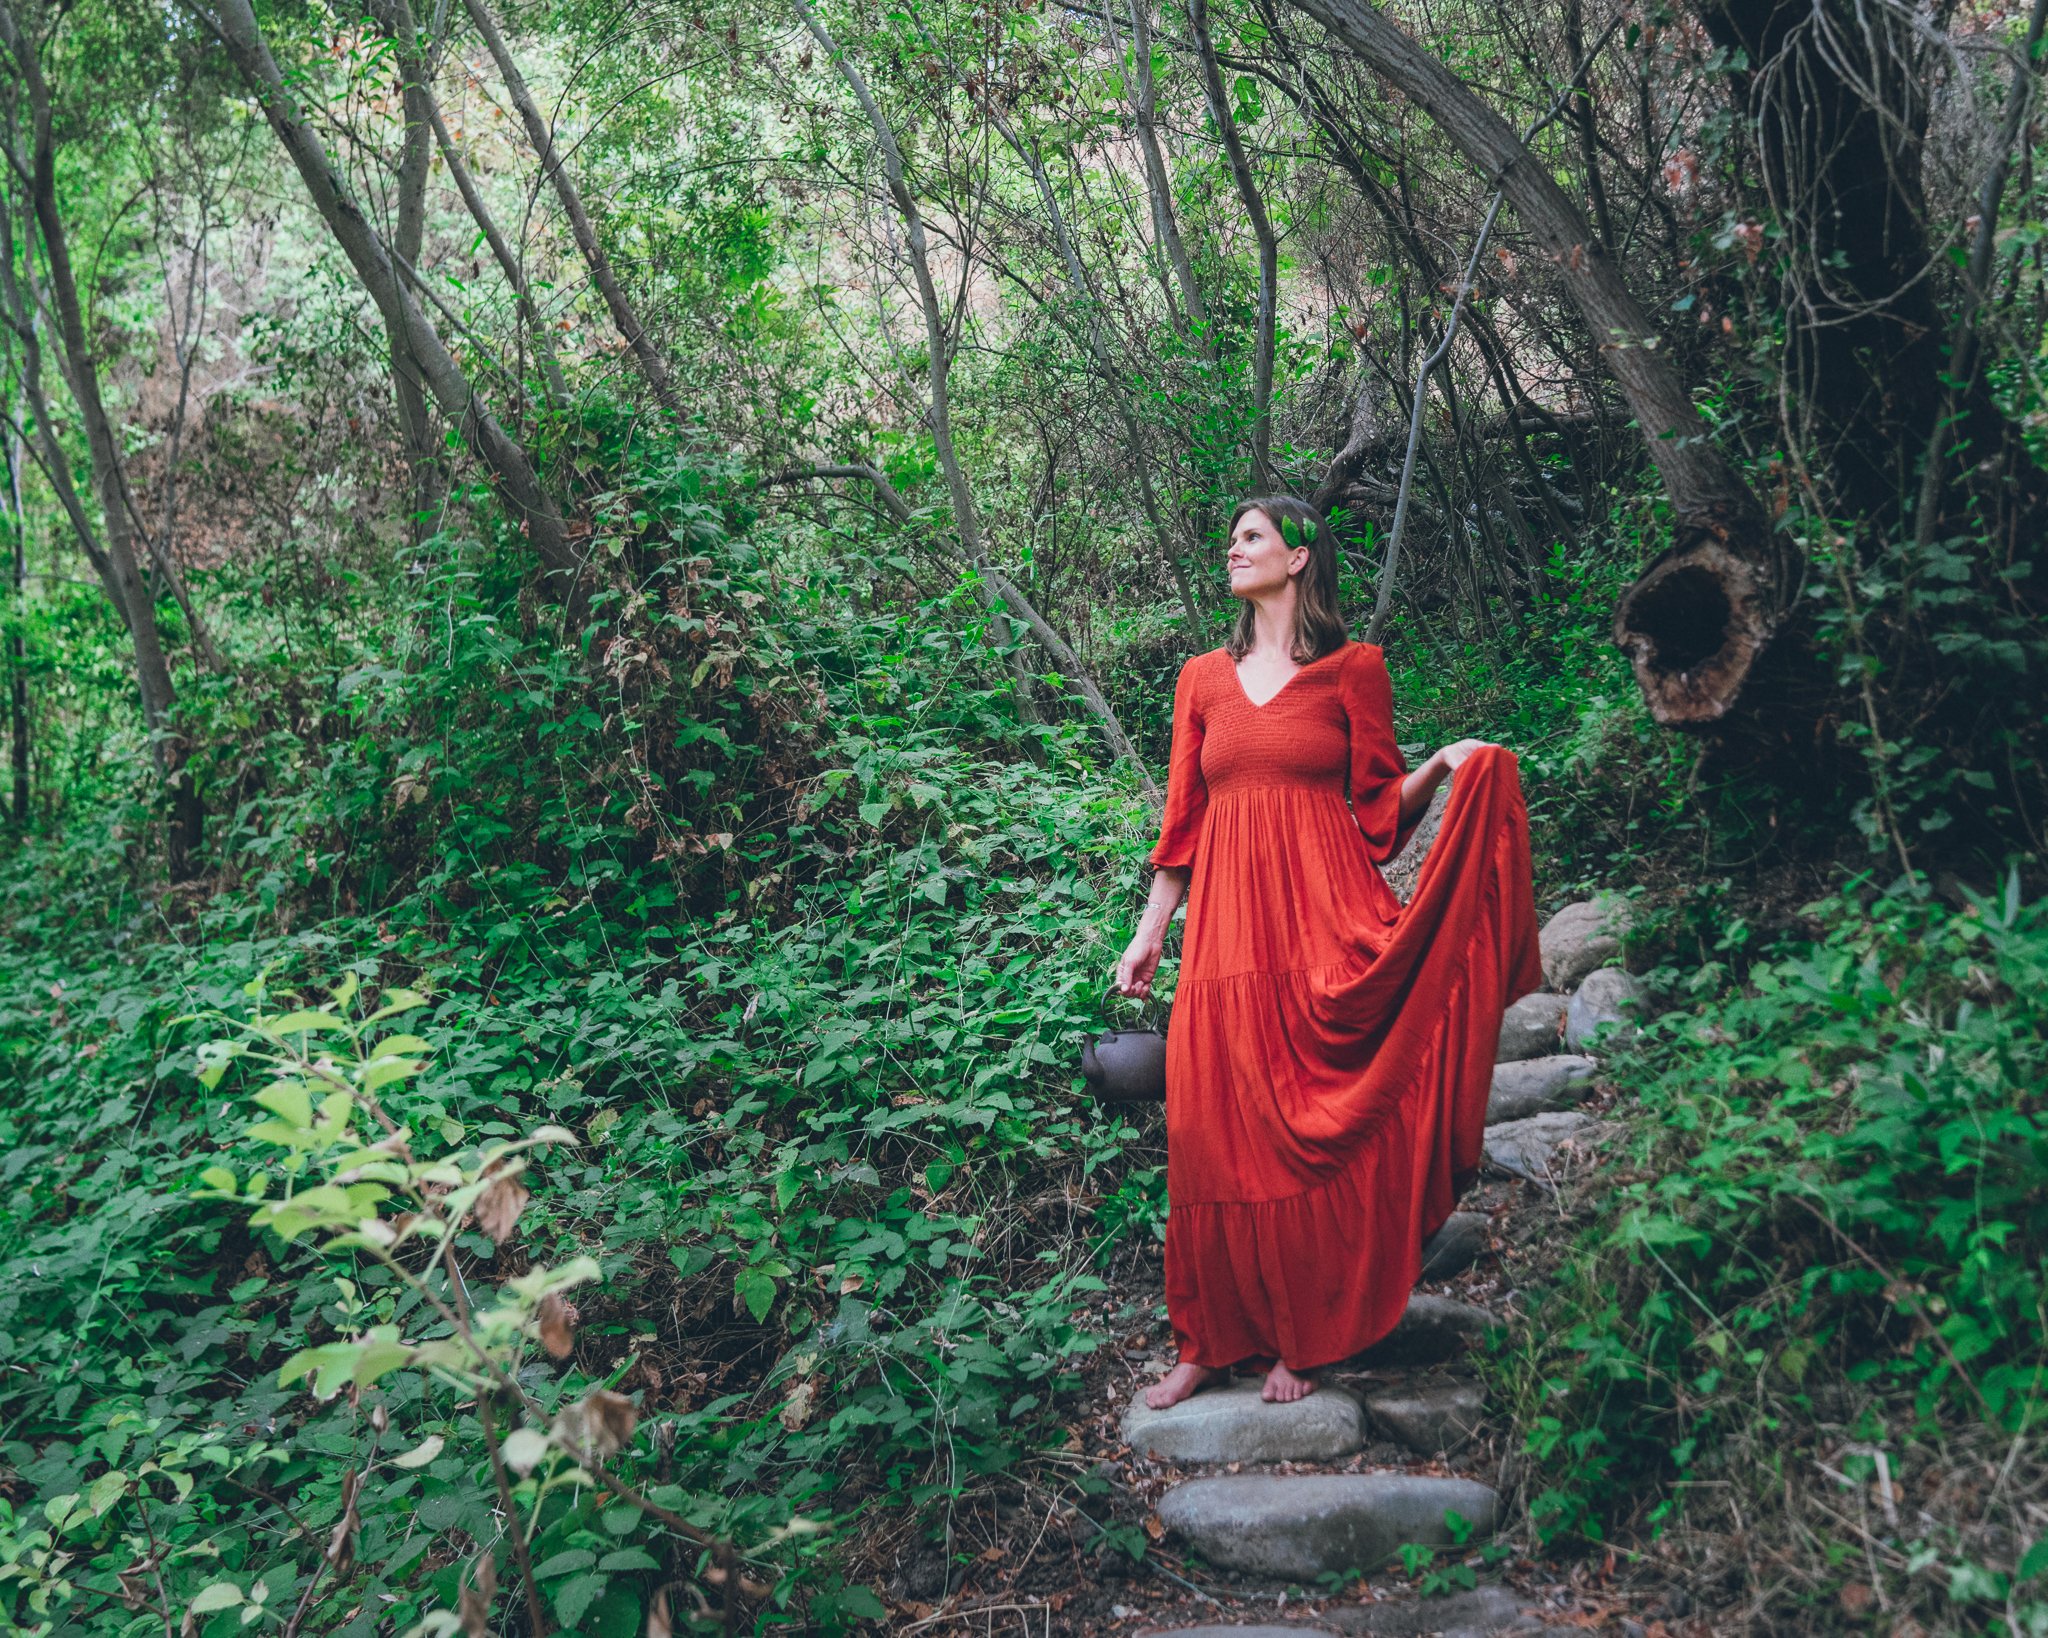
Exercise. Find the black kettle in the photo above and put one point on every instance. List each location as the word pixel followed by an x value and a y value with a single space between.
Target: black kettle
pixel 1126 1065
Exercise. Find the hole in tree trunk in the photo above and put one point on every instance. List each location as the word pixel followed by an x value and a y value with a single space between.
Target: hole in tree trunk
pixel 1686 614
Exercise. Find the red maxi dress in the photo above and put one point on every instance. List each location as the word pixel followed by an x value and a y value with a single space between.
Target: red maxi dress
pixel 1330 1050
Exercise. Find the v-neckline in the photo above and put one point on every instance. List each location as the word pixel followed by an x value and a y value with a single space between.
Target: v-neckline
pixel 1256 705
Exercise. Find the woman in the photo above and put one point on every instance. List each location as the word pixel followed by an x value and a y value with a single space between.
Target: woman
pixel 1331 1050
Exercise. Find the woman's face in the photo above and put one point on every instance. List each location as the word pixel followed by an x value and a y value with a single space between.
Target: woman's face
pixel 1261 562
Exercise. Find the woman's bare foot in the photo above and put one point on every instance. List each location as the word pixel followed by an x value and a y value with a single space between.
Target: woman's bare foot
pixel 1178 1383
pixel 1284 1386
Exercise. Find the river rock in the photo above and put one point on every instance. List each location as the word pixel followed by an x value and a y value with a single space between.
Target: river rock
pixel 1430 1331
pixel 1480 1610
pixel 1233 1424
pixel 1530 1027
pixel 1453 1248
pixel 1299 1526
pixel 1526 1147
pixel 1581 937
pixel 1438 1418
pixel 1607 1000
pixel 1536 1084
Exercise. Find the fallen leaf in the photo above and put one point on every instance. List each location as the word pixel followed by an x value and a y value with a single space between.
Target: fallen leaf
pixel 558 1319
pixel 598 1425
pixel 499 1206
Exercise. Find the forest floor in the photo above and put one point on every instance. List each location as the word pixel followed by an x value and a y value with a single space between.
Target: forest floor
pixel 1031 1562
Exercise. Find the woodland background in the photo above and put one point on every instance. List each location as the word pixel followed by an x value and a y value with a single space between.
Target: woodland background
pixel 649 546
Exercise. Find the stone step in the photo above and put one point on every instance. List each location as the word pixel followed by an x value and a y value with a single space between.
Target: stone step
pixel 1527 1147
pixel 1531 1026
pixel 1581 937
pixel 1431 1330
pixel 1474 1613
pixel 1232 1423
pixel 1453 1248
pixel 1609 999
pixel 1299 1526
pixel 1537 1084
pixel 1436 1419
pixel 1263 1631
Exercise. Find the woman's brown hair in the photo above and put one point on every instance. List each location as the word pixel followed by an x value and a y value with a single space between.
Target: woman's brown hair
pixel 1318 619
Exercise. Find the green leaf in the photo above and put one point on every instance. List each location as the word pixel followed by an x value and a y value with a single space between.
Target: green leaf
pixel 756 1290
pixel 628 1558
pixel 289 1101
pixel 222 1595
pixel 107 1489
pixel 562 1563
pixel 573 1601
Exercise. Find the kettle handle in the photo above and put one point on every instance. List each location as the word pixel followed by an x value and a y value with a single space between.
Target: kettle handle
pixel 1110 993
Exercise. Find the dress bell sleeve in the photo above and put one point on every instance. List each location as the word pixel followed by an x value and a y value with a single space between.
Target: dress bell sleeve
pixel 1377 766
pixel 1187 795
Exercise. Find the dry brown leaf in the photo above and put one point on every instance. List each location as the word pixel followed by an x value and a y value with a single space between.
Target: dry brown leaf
pixel 499 1206
pixel 796 1409
pixel 657 1615
pixel 473 1608
pixel 558 1317
pixel 597 1426
pixel 341 1544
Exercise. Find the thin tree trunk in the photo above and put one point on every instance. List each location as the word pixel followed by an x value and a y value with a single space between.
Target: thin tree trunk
pixel 966 519
pixel 17 647
pixel 508 262
pixel 121 572
pixel 1159 185
pixel 1254 203
pixel 235 22
pixel 413 53
pixel 552 165
pixel 1701 614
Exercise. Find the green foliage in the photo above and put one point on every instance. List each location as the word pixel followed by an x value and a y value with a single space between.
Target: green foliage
pixel 1839 1223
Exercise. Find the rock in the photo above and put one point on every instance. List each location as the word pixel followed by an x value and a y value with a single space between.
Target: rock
pixel 1455 1247
pixel 1607 1000
pixel 1240 1632
pixel 1407 865
pixel 1432 1330
pixel 1233 1424
pixel 1438 1418
pixel 1299 1526
pixel 1581 937
pixel 1536 1084
pixel 1530 1027
pixel 1525 1147
pixel 1481 1610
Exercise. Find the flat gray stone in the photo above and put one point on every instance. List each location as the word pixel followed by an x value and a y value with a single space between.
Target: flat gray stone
pixel 1536 1084
pixel 1438 1418
pixel 1431 1330
pixel 1581 937
pixel 1233 1424
pixel 1608 1000
pixel 1266 1631
pixel 1298 1526
pixel 1526 1147
pixel 1531 1027
pixel 1481 1610
pixel 1407 865
pixel 1455 1247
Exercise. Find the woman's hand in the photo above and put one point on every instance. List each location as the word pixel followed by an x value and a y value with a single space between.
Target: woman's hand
pixel 1452 755
pixel 1140 961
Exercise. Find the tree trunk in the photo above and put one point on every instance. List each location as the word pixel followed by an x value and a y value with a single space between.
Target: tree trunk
pixel 557 172
pixel 1262 230
pixel 413 54
pixel 442 375
pixel 1159 185
pixel 967 519
pixel 1702 612
pixel 17 647
pixel 508 262
pixel 120 570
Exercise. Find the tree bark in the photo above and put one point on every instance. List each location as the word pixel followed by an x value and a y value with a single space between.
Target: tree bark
pixel 120 570
pixel 967 520
pixel 552 165
pixel 443 377
pixel 1702 612
pixel 413 52
pixel 1247 184
pixel 17 647
pixel 1159 185
pixel 508 262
